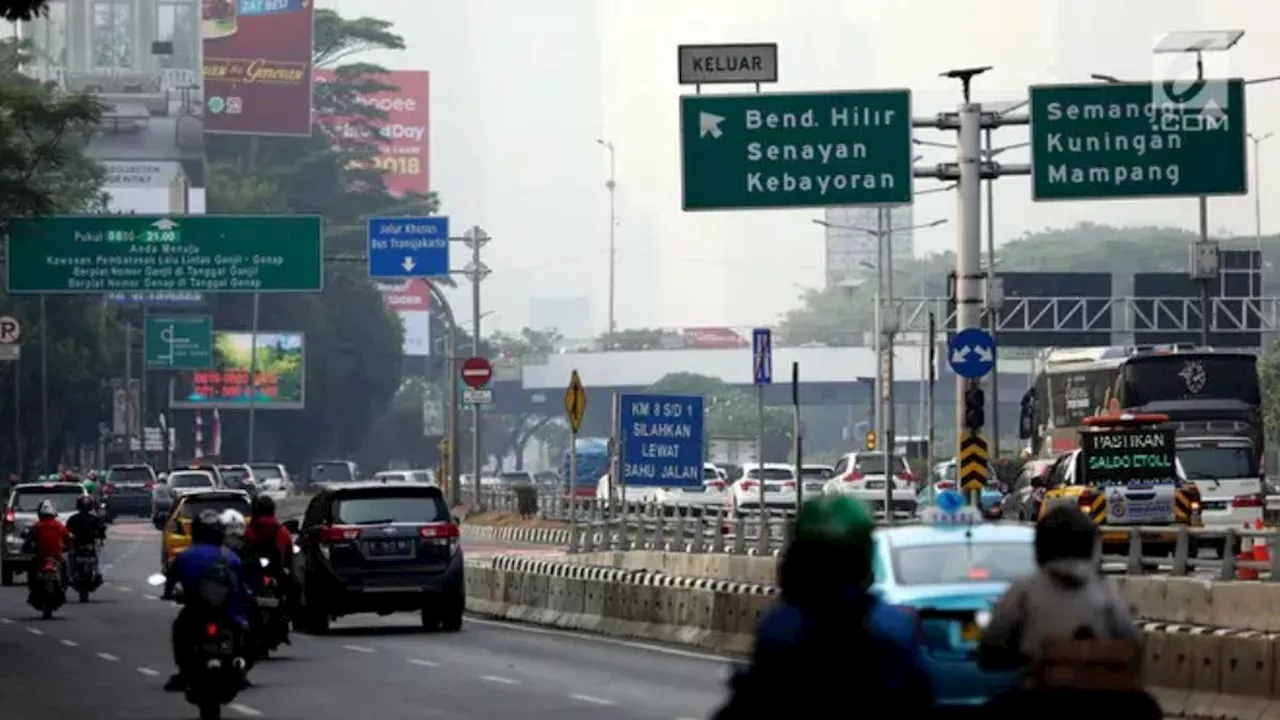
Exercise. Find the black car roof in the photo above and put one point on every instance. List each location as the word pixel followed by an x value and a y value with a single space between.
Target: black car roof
pixel 389 487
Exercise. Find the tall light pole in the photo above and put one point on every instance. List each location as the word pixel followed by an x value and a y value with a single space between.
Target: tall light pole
pixel 1257 140
pixel 887 325
pixel 612 187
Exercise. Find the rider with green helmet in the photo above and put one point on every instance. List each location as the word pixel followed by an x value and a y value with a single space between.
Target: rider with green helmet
pixel 826 629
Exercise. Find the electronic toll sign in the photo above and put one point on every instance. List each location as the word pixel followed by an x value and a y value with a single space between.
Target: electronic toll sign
pixel 1128 456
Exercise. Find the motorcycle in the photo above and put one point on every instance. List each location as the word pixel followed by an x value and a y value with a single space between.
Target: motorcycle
pixel 271 626
pixel 46 592
pixel 85 577
pixel 218 671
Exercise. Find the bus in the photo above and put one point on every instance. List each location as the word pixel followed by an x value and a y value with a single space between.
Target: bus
pixel 1204 392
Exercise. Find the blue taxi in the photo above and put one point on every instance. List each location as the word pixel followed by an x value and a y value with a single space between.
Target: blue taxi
pixel 947 572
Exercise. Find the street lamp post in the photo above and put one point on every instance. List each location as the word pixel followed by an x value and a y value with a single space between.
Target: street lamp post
pixel 886 329
pixel 612 185
pixel 1257 141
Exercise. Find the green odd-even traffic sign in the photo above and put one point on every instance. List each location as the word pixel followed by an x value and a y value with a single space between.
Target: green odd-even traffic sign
pixel 97 254
pixel 789 150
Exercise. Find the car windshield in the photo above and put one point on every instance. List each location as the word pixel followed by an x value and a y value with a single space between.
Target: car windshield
pixel 379 508
pixel 63 498
pixel 194 506
pixel 233 474
pixel 190 480
pixel 872 463
pixel 140 474
pixel 769 474
pixel 338 472
pixel 267 472
pixel 420 476
pixel 710 474
pixel 815 473
pixel 962 562
pixel 513 478
pixel 1200 463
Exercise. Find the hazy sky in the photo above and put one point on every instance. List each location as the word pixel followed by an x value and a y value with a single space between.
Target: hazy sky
pixel 521 91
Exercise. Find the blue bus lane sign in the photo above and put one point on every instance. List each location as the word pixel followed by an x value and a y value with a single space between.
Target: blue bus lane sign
pixel 661 440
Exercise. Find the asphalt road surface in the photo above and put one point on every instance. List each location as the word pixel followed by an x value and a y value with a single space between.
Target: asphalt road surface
pixel 109 658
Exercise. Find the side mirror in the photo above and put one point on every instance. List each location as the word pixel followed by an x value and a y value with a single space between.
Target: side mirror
pixel 292 526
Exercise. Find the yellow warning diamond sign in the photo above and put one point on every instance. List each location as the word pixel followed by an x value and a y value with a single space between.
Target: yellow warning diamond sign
pixel 974 462
pixel 575 401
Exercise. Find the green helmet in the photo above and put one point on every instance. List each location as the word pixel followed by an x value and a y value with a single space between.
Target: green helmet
pixel 835 519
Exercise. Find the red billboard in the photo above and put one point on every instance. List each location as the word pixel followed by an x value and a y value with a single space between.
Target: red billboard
pixel 257 66
pixel 713 338
pixel 404 132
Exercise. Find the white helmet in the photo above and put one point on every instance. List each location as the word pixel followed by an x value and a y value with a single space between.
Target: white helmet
pixel 232 522
pixel 46 509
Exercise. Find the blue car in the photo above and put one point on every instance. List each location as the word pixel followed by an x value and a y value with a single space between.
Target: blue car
pixel 944 478
pixel 948 572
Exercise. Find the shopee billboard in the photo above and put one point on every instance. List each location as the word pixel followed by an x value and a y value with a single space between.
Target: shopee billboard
pixel 403 153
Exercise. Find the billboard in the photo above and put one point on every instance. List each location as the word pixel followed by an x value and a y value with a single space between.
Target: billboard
pixel 257 66
pixel 281 374
pixel 1239 276
pixel 1029 322
pixel 411 301
pixel 402 155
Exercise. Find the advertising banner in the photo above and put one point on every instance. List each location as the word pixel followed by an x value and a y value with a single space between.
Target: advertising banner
pixel 257 66
pixel 404 133
pixel 281 374
pixel 411 300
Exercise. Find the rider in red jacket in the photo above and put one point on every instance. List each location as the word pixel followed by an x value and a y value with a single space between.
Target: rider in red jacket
pixel 49 539
pixel 267 537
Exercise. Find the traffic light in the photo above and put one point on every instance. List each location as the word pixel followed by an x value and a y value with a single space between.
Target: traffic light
pixel 869 442
pixel 975 414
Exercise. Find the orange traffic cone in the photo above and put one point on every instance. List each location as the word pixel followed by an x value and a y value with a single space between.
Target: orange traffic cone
pixel 1261 552
pixel 1245 555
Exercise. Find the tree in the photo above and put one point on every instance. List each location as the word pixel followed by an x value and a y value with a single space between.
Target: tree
pixel 509 434
pixel 15 10
pixel 43 170
pixel 1269 379
pixel 354 355
pixel 839 316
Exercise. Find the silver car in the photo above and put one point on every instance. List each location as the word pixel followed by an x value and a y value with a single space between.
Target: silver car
pixel 176 484
pixel 20 514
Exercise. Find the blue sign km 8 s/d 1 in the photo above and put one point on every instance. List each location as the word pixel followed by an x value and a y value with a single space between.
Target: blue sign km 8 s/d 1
pixel 403 247
pixel 661 440
pixel 972 353
pixel 762 356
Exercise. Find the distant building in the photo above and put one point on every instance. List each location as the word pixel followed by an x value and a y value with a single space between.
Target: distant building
pixel 847 250
pixel 569 316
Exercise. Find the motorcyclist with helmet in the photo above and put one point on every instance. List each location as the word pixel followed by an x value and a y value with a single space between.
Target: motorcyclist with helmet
pixel 205 561
pixel 827 630
pixel 48 539
pixel 86 529
pixel 268 539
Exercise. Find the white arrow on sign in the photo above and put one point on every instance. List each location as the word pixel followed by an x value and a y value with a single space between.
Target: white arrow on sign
pixel 709 124
pixel 408 264
pixel 984 354
pixel 164 224
pixel 960 355
pixel 1212 110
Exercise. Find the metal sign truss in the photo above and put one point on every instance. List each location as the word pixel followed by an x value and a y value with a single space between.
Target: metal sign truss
pixel 1117 315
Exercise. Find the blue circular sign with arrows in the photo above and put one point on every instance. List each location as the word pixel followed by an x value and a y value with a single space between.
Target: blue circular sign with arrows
pixel 972 353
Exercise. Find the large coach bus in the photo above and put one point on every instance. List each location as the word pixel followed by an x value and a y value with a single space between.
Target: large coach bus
pixel 1203 391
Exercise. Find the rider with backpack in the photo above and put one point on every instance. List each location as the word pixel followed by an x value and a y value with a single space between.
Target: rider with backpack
pixel 265 537
pixel 212 591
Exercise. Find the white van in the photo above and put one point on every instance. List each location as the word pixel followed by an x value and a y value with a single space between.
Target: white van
pixel 1225 469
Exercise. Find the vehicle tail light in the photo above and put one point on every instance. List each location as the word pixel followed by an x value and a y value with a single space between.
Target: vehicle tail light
pixel 716 485
pixel 904 476
pixel 109 488
pixel 1248 501
pixel 10 517
pixel 149 486
pixel 211 630
pixel 268 581
pixel 50 566
pixel 854 476
pixel 789 485
pixel 747 484
pixel 946 485
pixel 1086 500
pixel 338 533
pixel 438 530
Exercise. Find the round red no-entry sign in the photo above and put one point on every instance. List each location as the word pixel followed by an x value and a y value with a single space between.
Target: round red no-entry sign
pixel 476 372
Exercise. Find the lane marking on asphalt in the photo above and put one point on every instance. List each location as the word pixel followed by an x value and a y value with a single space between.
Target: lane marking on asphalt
pixel 359 648
pixel 423 663
pixel 603 640
pixel 245 710
pixel 151 597
pixel 108 657
pixel 499 680
pixel 35 631
pixel 6 621
pixel 122 588
pixel 593 700
pixel 69 643
pixel 149 672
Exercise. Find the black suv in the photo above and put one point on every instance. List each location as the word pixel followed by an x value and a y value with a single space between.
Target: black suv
pixel 375 547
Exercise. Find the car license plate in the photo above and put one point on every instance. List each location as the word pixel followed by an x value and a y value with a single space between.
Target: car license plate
pixel 387 548
pixel 217 647
pixel 970 632
pixel 267 602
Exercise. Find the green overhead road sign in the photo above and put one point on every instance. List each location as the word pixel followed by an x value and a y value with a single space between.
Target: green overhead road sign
pixel 785 150
pixel 95 254
pixel 178 342
pixel 1122 140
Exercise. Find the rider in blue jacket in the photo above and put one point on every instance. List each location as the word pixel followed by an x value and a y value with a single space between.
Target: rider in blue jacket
pixel 195 569
pixel 826 630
